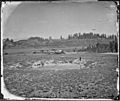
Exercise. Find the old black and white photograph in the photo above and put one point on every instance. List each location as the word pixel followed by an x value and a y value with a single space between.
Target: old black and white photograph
pixel 60 50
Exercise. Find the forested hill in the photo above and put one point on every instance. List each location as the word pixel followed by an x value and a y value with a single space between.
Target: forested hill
pixel 83 41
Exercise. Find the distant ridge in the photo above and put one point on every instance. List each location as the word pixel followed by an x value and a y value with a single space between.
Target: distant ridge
pixel 40 42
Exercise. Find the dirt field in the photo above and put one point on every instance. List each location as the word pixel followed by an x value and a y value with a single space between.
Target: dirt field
pixel 60 77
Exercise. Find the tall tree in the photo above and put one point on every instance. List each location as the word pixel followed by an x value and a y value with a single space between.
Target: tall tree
pixel 61 37
pixel 50 38
pixel 69 37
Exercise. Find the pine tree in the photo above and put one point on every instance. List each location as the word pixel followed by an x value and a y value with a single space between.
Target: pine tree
pixel 61 37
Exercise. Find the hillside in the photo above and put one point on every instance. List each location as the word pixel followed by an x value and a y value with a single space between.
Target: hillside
pixel 54 43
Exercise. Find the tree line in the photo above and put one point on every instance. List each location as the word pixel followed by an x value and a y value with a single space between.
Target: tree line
pixel 112 46
pixel 90 36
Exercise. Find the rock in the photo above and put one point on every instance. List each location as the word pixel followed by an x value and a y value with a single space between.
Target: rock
pixel 38 64
pixel 17 65
pixel 76 61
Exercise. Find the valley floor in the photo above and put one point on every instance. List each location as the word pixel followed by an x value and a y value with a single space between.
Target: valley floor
pixel 94 76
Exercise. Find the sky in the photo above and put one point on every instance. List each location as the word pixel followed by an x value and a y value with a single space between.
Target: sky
pixel 44 19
